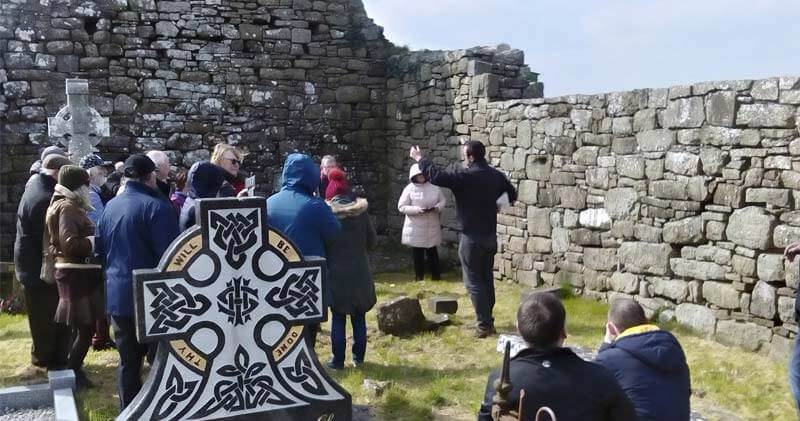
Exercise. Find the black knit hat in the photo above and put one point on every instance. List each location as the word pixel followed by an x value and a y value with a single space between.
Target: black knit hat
pixel 73 177
pixel 138 165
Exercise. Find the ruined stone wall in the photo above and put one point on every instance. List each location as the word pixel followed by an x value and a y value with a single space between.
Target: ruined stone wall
pixel 271 76
pixel 683 198
pixel 436 98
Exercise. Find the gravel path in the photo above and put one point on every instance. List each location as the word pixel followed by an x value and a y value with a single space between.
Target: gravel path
pixel 39 414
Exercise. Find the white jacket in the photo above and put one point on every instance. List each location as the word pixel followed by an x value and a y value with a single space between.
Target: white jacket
pixel 421 229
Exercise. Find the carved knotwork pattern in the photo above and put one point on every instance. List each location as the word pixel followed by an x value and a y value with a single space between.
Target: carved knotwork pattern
pixel 298 295
pixel 177 392
pixel 303 373
pixel 235 233
pixel 238 300
pixel 174 306
pixel 243 387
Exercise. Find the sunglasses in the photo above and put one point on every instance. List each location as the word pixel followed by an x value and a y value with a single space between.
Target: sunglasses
pixel 234 161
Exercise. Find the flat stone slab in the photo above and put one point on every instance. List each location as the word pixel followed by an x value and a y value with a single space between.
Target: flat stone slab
pixel 30 396
pixel 442 304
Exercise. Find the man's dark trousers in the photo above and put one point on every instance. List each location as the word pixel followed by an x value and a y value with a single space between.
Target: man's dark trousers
pixel 51 340
pixel 477 263
pixel 131 357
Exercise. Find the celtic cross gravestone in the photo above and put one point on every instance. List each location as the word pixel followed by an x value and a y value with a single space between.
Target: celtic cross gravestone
pixel 227 307
pixel 77 125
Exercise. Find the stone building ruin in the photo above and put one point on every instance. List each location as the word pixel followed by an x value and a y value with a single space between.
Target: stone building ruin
pixel 682 197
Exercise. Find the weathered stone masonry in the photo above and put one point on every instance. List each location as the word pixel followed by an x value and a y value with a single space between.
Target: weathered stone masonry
pixel 682 197
pixel 270 75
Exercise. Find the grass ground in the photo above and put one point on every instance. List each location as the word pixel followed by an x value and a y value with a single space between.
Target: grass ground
pixel 442 375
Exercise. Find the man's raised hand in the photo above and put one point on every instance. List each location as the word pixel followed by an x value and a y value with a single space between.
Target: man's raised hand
pixel 415 153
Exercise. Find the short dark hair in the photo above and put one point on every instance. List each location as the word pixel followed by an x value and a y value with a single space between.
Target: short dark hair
pixel 626 313
pixel 476 150
pixel 540 319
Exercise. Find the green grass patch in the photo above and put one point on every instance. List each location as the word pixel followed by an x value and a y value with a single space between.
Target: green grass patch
pixel 442 374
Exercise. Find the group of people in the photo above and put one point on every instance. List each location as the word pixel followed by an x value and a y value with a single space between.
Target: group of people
pixel 640 372
pixel 84 227
pixel 82 230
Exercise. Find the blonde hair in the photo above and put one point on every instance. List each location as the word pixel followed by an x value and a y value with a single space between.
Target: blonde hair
pixel 219 153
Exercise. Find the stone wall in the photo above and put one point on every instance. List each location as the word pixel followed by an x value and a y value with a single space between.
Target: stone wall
pixel 683 198
pixel 271 76
pixel 435 98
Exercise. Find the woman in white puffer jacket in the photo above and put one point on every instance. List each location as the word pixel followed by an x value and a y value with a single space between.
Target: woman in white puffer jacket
pixel 422 202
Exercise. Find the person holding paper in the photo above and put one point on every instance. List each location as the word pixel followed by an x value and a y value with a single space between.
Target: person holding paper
pixel 477 188
pixel 422 202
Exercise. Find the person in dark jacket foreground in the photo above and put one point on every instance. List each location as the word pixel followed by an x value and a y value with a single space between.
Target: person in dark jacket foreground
pixel 350 285
pixel 648 362
pixel 50 340
pixel 553 376
pixel 305 219
pixel 134 231
pixel 477 188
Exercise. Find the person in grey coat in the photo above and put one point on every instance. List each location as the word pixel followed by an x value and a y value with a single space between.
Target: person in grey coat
pixel 351 290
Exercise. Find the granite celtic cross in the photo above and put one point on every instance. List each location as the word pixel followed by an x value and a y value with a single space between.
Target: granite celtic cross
pixel 227 308
pixel 77 125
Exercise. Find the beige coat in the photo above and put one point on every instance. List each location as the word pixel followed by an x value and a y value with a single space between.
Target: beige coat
pixel 421 229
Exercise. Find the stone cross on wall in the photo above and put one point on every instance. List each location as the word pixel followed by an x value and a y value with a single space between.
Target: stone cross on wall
pixel 77 125
pixel 227 308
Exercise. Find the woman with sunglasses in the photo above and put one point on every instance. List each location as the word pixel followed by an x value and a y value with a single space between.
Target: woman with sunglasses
pixel 230 159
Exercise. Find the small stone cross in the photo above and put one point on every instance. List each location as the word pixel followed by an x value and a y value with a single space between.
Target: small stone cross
pixel 228 308
pixel 78 126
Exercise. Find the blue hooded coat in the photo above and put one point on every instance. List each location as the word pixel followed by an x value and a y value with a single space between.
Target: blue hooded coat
pixel 307 220
pixel 651 368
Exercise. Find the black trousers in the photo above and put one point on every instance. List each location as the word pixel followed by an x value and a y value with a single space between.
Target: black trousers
pixel 51 340
pixel 477 262
pixel 131 357
pixel 81 341
pixel 419 255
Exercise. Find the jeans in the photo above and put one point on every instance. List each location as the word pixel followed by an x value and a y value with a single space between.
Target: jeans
pixel 131 356
pixel 339 338
pixel 50 340
pixel 419 255
pixel 794 374
pixel 477 265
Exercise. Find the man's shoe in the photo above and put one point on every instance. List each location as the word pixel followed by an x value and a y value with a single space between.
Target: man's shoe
pixel 483 332
pixel 333 365
pixel 358 363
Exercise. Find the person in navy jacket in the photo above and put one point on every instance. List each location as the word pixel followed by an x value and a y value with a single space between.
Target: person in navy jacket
pixel 133 232
pixel 648 363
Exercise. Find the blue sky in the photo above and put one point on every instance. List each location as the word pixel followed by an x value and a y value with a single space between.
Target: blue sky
pixel 585 46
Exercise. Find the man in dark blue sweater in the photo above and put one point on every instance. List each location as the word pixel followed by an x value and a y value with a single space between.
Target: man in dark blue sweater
pixel 476 187
pixel 648 362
